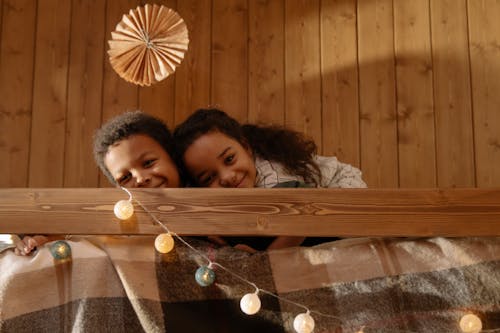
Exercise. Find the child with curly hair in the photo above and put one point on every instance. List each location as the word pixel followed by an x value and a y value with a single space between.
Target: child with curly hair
pixel 214 150
pixel 133 149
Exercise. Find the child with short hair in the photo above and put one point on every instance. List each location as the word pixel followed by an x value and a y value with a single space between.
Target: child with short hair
pixel 214 150
pixel 133 149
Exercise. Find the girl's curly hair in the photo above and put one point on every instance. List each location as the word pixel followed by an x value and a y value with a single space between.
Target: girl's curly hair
pixel 123 126
pixel 290 148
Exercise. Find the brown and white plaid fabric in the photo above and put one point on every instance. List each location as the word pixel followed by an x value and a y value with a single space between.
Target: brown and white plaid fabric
pixel 121 284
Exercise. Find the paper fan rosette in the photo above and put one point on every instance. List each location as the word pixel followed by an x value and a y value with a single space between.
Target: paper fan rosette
pixel 148 44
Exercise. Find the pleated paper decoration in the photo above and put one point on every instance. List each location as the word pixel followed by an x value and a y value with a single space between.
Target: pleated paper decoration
pixel 148 44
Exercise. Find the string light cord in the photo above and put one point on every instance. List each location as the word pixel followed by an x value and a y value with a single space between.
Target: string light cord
pixel 227 270
pixel 201 254
pixel 257 290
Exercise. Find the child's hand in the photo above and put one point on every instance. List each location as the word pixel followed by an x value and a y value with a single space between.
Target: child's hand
pixel 246 248
pixel 217 240
pixel 28 244
pixel 282 242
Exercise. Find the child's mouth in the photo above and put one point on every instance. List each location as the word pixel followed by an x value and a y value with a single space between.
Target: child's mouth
pixel 240 183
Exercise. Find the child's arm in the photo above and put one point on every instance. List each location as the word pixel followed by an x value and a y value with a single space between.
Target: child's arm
pixel 338 174
pixel 29 243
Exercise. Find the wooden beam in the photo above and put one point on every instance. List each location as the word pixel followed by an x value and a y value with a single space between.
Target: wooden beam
pixel 307 212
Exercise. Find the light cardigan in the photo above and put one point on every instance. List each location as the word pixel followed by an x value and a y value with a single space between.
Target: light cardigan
pixel 333 174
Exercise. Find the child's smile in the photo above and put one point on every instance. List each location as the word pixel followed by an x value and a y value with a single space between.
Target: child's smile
pixel 140 161
pixel 216 160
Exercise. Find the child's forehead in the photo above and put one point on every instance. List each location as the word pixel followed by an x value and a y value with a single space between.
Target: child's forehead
pixel 138 140
pixel 134 146
pixel 219 137
pixel 132 150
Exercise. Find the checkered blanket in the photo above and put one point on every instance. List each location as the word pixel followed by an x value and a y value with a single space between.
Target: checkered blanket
pixel 121 284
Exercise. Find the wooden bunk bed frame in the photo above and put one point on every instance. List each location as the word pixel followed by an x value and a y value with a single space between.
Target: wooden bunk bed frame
pixel 304 212
pixel 391 284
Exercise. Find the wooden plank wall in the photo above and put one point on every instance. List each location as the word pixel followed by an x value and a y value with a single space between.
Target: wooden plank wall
pixel 406 90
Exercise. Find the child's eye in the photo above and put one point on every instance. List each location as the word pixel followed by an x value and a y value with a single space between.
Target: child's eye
pixel 229 159
pixel 148 163
pixel 207 180
pixel 123 179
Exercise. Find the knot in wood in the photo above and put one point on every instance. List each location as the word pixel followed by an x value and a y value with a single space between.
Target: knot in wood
pixel 262 222
pixel 308 209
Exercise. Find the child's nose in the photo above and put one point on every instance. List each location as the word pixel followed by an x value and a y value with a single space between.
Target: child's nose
pixel 227 178
pixel 142 179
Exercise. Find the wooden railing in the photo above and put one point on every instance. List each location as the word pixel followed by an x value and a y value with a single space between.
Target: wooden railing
pixel 305 212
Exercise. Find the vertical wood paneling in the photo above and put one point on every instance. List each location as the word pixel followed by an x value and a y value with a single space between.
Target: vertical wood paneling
pixel 452 94
pixel 1 20
pixel 378 125
pixel 84 91
pixel 323 67
pixel 192 78
pixel 485 56
pixel 16 82
pixel 339 74
pixel 50 92
pixel 302 68
pixel 230 57
pixel 159 99
pixel 266 101
pixel 417 151
pixel 118 95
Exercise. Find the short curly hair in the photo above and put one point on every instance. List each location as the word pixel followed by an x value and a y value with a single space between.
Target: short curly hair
pixel 125 125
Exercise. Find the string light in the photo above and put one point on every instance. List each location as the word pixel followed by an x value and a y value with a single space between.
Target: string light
pixel 250 303
pixel 60 250
pixel 205 276
pixel 470 323
pixel 303 323
pixel 164 243
pixel 123 209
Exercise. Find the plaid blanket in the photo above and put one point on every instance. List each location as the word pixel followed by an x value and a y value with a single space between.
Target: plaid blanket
pixel 121 284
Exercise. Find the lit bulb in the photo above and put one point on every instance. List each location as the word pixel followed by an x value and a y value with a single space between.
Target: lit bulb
pixel 60 250
pixel 250 303
pixel 164 243
pixel 204 276
pixel 124 209
pixel 303 323
pixel 470 323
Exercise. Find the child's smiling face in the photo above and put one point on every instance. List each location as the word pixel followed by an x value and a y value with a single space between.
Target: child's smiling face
pixel 140 161
pixel 217 160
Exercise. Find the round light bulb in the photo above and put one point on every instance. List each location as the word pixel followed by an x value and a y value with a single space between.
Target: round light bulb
pixel 470 323
pixel 124 209
pixel 204 276
pixel 60 250
pixel 250 304
pixel 303 323
pixel 164 243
